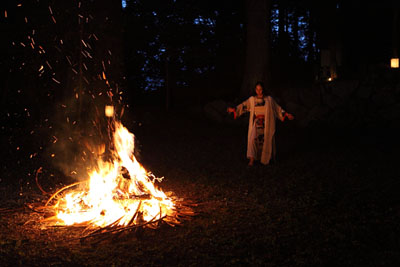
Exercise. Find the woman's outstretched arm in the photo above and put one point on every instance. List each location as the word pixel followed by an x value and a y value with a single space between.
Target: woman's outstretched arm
pixel 280 113
pixel 240 109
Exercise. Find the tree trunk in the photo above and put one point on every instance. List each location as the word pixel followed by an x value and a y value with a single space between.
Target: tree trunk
pixel 228 57
pixel 167 81
pixel 395 31
pixel 257 45
pixel 329 36
pixel 283 40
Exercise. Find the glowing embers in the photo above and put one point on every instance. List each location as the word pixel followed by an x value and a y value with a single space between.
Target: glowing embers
pixel 120 192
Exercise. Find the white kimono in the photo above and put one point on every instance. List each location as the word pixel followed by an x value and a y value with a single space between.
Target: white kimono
pixel 271 110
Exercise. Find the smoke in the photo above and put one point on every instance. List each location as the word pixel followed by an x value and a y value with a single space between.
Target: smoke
pixel 61 74
pixel 82 134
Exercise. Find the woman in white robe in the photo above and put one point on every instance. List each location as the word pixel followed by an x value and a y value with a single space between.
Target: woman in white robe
pixel 261 134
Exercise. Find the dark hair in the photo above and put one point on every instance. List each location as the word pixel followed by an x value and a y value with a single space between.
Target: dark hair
pixel 261 84
pixel 266 91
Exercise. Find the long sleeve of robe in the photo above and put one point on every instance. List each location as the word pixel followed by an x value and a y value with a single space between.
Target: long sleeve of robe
pixel 272 111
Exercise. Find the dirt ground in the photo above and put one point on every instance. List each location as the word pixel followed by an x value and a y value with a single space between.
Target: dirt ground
pixel 330 199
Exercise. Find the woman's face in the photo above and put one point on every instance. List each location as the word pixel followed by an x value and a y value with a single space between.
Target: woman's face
pixel 259 90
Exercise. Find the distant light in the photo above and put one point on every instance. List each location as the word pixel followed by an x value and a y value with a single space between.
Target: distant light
pixel 329 79
pixel 394 63
pixel 198 20
pixel 109 110
pixel 123 3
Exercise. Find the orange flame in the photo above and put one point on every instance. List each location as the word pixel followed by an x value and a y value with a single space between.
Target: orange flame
pixel 119 192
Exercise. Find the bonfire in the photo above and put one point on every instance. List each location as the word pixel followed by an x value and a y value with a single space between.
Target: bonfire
pixel 119 194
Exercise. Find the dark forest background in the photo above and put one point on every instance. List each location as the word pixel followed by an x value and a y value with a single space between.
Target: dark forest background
pixel 327 62
pixel 191 51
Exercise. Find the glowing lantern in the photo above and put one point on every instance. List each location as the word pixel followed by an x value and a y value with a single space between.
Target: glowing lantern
pixel 394 63
pixel 109 111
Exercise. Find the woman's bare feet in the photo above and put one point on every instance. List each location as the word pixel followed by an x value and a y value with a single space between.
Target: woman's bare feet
pixel 251 162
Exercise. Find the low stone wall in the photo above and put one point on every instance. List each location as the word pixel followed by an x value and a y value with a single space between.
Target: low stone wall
pixel 346 103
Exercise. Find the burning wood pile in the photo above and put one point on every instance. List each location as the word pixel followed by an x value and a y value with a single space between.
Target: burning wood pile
pixel 120 195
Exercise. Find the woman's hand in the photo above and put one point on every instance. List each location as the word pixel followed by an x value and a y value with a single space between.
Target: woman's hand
pixel 230 110
pixel 289 116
